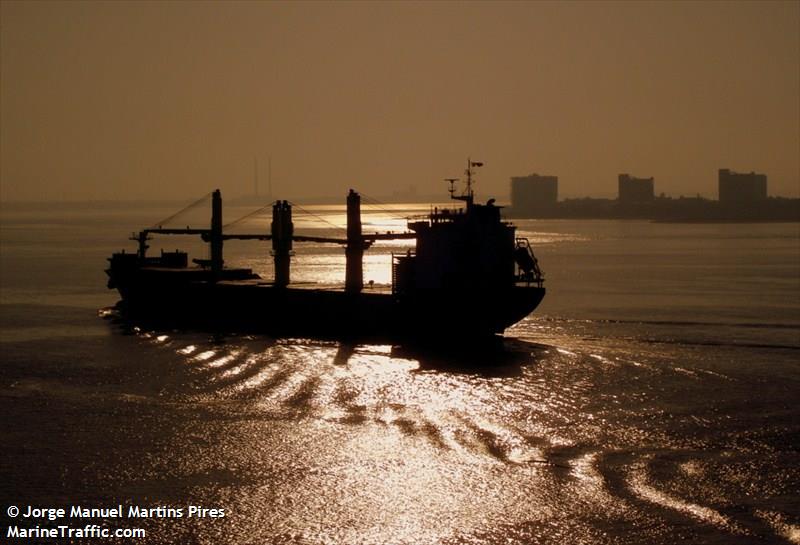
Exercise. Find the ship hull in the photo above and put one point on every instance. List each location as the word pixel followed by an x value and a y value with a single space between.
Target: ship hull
pixel 164 298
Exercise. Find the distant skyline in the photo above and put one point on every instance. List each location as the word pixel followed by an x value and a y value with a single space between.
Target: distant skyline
pixel 168 100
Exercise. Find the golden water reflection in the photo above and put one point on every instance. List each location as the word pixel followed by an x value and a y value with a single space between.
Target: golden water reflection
pixel 313 441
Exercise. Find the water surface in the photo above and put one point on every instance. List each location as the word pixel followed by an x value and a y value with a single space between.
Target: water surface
pixel 652 398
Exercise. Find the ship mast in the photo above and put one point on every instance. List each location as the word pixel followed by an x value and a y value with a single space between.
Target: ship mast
pixel 468 196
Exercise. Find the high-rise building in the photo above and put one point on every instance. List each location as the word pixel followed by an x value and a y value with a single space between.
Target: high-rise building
pixel 635 190
pixel 534 193
pixel 737 189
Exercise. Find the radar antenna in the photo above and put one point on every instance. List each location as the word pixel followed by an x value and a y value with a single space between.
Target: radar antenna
pixel 452 188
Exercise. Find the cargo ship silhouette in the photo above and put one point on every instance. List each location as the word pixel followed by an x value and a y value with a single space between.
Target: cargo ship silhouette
pixel 468 275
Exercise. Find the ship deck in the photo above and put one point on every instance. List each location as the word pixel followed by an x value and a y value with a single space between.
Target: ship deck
pixel 383 289
pixel 199 274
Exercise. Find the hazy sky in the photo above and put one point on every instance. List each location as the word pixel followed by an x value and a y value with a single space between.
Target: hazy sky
pixel 170 100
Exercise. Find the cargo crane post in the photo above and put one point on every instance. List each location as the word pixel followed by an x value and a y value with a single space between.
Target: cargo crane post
pixel 282 234
pixel 354 251
pixel 215 236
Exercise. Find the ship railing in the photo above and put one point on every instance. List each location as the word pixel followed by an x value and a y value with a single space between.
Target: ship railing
pixel 437 215
pixel 529 279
